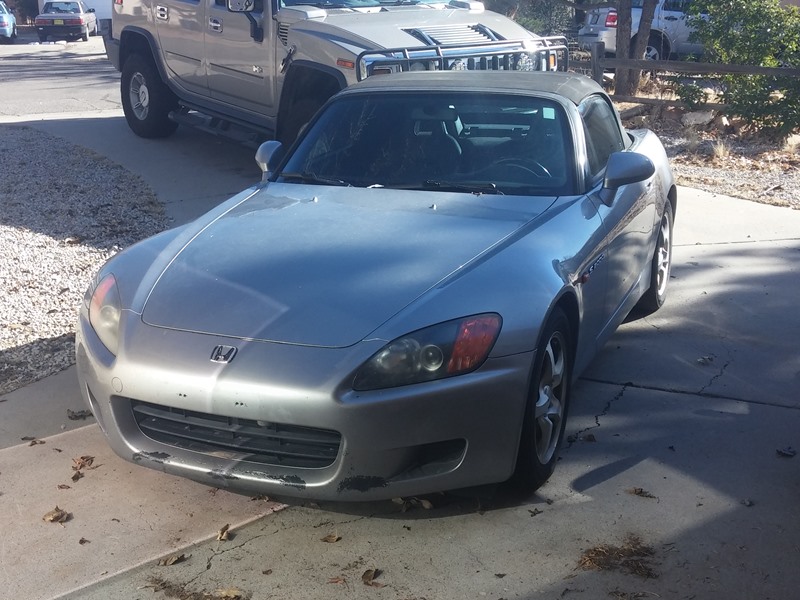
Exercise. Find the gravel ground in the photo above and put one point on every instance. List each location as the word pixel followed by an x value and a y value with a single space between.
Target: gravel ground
pixel 64 210
pixel 59 224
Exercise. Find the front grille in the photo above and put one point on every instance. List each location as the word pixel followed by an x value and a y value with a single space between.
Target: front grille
pixel 215 435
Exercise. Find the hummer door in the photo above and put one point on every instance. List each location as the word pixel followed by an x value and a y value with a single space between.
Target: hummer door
pixel 180 37
pixel 241 70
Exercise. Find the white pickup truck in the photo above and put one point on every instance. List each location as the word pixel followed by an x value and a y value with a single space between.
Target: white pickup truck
pixel 266 66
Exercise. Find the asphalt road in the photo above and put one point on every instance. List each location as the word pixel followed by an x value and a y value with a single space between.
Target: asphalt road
pixel 672 461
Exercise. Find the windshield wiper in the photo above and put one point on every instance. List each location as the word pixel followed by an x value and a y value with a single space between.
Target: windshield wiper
pixel 307 177
pixel 397 2
pixel 472 188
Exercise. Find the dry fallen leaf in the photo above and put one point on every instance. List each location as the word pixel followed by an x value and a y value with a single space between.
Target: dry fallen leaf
pixel 76 475
pixel 369 576
pixel 36 442
pixel 171 560
pixel 63 486
pixel 57 515
pixel 642 493
pixel 331 538
pixel 78 415
pixel 82 462
pixel 83 541
pixel 340 580
pixel 222 534
pixel 266 572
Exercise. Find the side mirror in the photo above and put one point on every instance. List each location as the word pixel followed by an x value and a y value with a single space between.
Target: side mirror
pixel 268 156
pixel 624 168
pixel 240 5
pixel 247 7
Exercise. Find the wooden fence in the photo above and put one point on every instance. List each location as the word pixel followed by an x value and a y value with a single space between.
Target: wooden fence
pixel 599 63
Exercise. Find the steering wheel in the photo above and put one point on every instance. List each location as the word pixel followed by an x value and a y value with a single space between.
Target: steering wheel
pixel 525 164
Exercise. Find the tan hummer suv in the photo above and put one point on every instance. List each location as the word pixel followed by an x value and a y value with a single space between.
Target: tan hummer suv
pixel 267 65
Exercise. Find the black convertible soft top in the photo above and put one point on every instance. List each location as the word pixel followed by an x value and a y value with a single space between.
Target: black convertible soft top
pixel 571 86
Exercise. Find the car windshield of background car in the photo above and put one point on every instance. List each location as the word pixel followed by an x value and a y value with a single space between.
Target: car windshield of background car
pixel 61 7
pixel 446 141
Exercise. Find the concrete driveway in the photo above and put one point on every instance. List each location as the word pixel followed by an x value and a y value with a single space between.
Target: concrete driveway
pixel 673 483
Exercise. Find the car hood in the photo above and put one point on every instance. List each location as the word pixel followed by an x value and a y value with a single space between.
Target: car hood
pixel 324 266
pixel 395 27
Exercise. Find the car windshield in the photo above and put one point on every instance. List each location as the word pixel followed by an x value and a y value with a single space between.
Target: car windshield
pixel 445 141
pixel 61 7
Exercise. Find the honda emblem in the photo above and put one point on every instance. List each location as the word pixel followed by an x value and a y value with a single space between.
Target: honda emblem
pixel 223 354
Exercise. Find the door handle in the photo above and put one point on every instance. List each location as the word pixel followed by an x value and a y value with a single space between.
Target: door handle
pixel 215 24
pixel 670 18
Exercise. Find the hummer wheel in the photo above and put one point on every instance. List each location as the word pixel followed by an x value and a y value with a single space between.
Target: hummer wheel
pixel 146 99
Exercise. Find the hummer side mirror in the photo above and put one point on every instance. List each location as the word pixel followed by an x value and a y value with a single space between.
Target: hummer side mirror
pixel 247 7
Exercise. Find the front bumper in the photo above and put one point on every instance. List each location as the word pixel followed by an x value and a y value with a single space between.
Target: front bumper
pixel 111 44
pixel 411 440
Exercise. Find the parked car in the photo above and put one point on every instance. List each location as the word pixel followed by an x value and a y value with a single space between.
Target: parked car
pixel 66 20
pixel 670 32
pixel 8 25
pixel 401 306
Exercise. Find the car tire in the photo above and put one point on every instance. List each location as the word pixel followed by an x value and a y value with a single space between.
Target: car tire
pixel 660 266
pixel 297 118
pixel 657 48
pixel 85 35
pixel 146 99
pixel 42 37
pixel 547 405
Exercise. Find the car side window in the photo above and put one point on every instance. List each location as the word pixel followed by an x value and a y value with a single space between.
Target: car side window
pixel 603 136
pixel 676 5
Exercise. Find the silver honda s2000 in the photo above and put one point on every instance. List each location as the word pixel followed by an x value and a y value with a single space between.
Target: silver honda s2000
pixel 401 305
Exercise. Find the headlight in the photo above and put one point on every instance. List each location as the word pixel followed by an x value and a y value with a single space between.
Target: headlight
pixel 104 312
pixel 443 350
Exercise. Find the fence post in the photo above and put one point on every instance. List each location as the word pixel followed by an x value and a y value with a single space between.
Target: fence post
pixel 598 54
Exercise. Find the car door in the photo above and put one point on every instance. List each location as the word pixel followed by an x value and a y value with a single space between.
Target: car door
pixel 630 219
pixel 180 35
pixel 241 70
pixel 676 25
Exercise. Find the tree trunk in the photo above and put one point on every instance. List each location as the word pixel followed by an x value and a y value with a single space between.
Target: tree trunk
pixel 627 81
pixel 622 78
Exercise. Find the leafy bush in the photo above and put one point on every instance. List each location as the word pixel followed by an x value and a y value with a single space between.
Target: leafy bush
pixel 754 32
pixel 692 94
pixel 545 17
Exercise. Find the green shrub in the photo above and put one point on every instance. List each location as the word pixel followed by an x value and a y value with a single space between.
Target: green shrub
pixel 754 32
pixel 692 94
